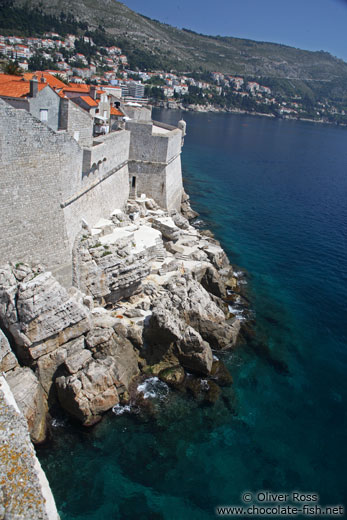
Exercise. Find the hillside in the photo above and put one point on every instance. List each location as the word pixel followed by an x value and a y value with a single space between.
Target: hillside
pixel 186 50
pixel 152 45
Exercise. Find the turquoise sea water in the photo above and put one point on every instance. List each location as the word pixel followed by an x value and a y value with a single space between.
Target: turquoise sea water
pixel 274 192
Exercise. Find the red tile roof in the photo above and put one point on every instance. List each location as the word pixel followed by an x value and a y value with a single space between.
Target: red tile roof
pixel 116 112
pixel 90 101
pixel 80 87
pixel 17 89
pixel 47 76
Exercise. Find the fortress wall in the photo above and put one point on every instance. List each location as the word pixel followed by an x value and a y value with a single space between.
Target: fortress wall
pixel 98 202
pixel 150 179
pixel 100 189
pixel 174 144
pixel 108 153
pixel 34 161
pixel 155 163
pixel 173 184
pixel 144 146
pixel 138 114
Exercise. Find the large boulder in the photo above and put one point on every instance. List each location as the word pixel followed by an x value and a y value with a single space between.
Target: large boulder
pixel 213 283
pixel 219 335
pixel 194 353
pixel 31 400
pixel 186 209
pixel 89 392
pixel 167 331
pixel 49 365
pixel 39 313
pixel 119 349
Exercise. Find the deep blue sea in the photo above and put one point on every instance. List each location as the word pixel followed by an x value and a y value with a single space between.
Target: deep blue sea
pixel 275 194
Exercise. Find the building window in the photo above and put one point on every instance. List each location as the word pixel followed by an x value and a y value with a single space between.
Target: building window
pixel 43 115
pixel 133 182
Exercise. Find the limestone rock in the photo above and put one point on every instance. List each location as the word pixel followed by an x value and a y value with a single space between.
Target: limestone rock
pixel 213 282
pixel 221 374
pixel 173 376
pixel 7 358
pixel 167 227
pixel 8 294
pixel 164 327
pixel 39 313
pixel 179 220
pixel 216 255
pixel 219 335
pixel 77 361
pixel 48 365
pixel 99 336
pixel 186 209
pixel 90 392
pixel 192 300
pixel 106 343
pixel 194 353
pixel 31 400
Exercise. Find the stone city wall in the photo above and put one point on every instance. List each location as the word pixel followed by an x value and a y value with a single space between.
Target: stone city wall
pixel 155 165
pixel 43 194
pixel 34 161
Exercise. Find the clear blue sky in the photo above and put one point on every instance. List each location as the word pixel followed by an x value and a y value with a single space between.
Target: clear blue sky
pixel 307 24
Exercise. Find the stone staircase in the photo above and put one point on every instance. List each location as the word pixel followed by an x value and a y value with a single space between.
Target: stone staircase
pixel 160 250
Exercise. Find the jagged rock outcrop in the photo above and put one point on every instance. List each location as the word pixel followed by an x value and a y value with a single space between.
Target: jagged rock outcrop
pixel 194 353
pixel 213 283
pixel 39 313
pixel 56 333
pixel 116 258
pixel 151 297
pixel 90 391
pixel 186 209
pixel 31 400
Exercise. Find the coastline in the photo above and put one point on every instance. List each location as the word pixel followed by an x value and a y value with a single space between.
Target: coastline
pixel 215 110
pixel 154 293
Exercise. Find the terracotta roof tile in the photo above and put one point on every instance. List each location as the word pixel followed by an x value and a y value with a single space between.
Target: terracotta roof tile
pixel 77 88
pixel 17 89
pixel 90 101
pixel 47 76
pixel 116 112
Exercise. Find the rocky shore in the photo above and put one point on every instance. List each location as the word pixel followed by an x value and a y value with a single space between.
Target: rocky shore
pixel 151 298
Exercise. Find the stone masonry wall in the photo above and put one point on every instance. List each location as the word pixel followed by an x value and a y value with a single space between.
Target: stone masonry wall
pixel 155 163
pixel 150 179
pixel 98 202
pixel 34 162
pixel 143 145
pixel 43 194
pixel 173 184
